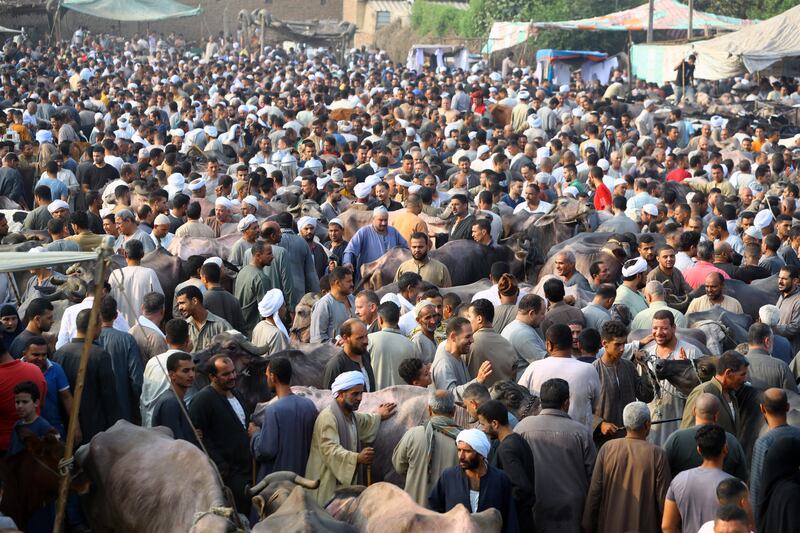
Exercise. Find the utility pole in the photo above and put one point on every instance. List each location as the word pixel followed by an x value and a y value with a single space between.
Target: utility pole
pixel 690 30
pixel 651 8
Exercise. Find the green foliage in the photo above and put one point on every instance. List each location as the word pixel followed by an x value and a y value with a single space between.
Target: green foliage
pixel 428 18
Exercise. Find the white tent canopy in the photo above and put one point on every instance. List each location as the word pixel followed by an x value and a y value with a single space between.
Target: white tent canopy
pixel 755 48
pixel 15 261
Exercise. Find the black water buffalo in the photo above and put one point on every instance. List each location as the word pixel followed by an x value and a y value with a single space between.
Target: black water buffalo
pixel 588 248
pixel 466 260
pixel 732 326
pixel 752 297
pixel 308 365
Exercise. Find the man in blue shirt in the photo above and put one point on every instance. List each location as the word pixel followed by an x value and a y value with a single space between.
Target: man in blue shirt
pixel 58 393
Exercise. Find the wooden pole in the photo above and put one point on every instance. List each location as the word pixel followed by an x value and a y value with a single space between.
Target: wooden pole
pixel 690 30
pixel 650 10
pixel 69 445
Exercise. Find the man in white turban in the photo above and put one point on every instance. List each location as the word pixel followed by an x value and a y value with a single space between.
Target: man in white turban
pixel 337 456
pixel 473 483
pixel 270 331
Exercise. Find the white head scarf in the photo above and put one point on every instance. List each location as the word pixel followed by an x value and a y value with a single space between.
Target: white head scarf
pixel 476 439
pixel 269 305
pixel 346 381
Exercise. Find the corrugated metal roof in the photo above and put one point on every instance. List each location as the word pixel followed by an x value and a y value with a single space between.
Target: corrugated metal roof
pixel 403 7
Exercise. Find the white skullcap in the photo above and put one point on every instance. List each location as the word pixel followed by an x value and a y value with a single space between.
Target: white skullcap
pixel 55 205
pixel 323 181
pixel 482 149
pixel 414 188
pixel 577 112
pixel 362 190
pixel 754 232
pixel 251 200
pixel 372 180
pixel 648 103
pixel 524 95
pixel 216 260
pixel 650 209
pixel 196 185
pixel 563 89
pixel 176 180
pixel 270 304
pixel 401 182
pixel 763 219
pixel 246 222
pixel 422 305
pixel 768 314
pixel 717 122
pixel 177 132
pixel 620 181
pixel 161 219
pixel 534 121
pixel 572 190
pixel 477 440
pixel 346 381
pixel 380 210
pixel 337 175
pixel 211 131
pixel 337 221
pixel 223 202
pixel 544 177
pixel 306 221
pixel 633 267
pixel 603 164
pixel 542 152
pixel 410 132
pixel 390 297
pixel 44 136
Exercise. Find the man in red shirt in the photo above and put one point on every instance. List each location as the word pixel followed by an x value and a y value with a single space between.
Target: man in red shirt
pixel 679 173
pixel 13 371
pixel 602 196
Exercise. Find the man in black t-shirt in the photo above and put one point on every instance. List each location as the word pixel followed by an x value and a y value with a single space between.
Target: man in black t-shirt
pixel 684 80
pixel 100 174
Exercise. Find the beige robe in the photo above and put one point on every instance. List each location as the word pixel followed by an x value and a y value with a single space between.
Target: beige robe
pixel 328 460
pixel 628 488
pixel 387 349
pixel 267 334
pixel 150 342
pixel 410 457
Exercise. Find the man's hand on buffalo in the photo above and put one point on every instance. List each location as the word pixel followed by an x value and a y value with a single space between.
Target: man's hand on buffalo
pixel 484 371
pixel 387 410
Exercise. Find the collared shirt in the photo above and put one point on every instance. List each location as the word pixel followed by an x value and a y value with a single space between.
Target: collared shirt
pixel 430 270
pixel 201 335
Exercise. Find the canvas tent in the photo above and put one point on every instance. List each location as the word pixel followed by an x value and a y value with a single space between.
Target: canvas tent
pixel 132 10
pixel 505 35
pixel 668 15
pixel 771 46
pixel 556 65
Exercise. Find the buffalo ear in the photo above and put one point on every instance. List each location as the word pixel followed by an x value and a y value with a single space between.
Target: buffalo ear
pixel 260 505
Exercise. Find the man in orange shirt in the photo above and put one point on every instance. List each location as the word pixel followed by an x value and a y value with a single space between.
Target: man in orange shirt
pixel 407 221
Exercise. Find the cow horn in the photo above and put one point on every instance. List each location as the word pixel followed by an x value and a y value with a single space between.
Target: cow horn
pixel 305 482
pixel 271 478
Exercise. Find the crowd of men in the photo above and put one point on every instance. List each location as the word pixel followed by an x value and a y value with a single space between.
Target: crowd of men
pixel 149 141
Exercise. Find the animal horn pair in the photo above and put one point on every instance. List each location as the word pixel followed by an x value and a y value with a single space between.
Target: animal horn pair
pixel 283 476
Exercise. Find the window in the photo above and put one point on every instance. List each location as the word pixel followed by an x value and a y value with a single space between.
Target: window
pixel 382 19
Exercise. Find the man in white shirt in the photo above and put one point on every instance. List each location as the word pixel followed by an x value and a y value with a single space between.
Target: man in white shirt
pixel 156 381
pixel 130 284
pixel 532 202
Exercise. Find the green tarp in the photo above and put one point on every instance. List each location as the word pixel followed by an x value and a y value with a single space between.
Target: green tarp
pixel 132 10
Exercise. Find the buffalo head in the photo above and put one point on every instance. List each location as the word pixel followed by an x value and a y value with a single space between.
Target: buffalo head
pixel 272 491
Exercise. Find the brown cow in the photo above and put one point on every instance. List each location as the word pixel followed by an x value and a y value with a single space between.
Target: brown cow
pixel 31 478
